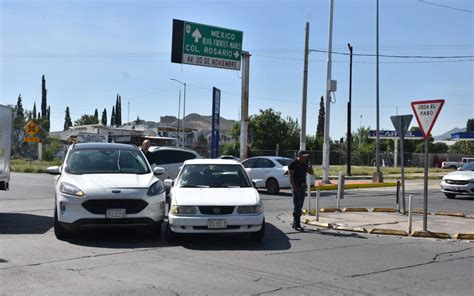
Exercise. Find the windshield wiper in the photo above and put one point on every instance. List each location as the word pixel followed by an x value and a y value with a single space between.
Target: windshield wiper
pixel 194 186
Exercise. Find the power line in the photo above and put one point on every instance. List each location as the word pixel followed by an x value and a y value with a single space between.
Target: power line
pixel 397 56
pixel 445 6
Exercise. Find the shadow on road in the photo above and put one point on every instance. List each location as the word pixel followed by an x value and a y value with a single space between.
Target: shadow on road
pixel 274 240
pixel 19 223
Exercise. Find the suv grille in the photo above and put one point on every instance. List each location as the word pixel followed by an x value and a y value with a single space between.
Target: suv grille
pixel 216 210
pixel 100 206
pixel 457 182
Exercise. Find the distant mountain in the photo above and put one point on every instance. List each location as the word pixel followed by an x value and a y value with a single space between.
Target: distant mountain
pixel 447 135
pixel 198 122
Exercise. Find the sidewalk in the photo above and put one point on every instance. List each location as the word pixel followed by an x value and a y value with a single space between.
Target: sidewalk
pixel 439 226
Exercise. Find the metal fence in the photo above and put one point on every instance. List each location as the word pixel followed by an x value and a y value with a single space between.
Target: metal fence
pixel 368 159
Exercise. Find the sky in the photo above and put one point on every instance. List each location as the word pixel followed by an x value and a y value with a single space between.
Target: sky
pixel 91 50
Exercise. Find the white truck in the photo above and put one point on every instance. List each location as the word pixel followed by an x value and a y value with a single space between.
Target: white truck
pixel 456 164
pixel 5 145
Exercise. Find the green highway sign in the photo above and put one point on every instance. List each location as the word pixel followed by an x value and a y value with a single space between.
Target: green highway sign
pixel 203 45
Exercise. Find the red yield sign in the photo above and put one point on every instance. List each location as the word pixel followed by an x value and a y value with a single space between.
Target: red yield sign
pixel 426 113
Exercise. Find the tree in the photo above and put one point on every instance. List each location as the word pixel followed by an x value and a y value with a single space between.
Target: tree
pixel 44 102
pixel 96 115
pixel 67 120
pixel 270 129
pixel 118 110
pixel 463 147
pixel 104 117
pixel 470 125
pixel 321 119
pixel 34 110
pixel 112 117
pixel 18 124
pixel 86 119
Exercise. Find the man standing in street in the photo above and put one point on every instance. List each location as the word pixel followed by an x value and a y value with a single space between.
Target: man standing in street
pixel 145 146
pixel 297 173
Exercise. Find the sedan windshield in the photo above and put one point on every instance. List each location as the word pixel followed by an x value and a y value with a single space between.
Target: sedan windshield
pixel 106 161
pixel 468 167
pixel 211 175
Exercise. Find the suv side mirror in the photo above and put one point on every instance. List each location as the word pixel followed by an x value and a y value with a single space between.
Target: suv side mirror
pixel 53 170
pixel 158 171
pixel 168 184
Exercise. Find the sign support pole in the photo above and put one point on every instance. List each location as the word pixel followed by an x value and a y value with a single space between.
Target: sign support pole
pixel 402 169
pixel 425 190
pixel 244 111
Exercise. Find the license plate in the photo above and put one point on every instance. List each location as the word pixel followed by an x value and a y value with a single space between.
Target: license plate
pixel 115 213
pixel 216 223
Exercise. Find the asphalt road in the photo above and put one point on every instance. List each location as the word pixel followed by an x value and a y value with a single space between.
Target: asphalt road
pixel 324 262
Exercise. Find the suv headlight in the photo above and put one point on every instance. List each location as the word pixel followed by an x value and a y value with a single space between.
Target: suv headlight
pixel 156 188
pixel 250 209
pixel 70 189
pixel 183 210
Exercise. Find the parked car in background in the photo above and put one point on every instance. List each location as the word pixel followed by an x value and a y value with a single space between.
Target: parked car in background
pixel 460 182
pixel 272 170
pixel 214 196
pixel 456 164
pixel 171 159
pixel 231 157
pixel 107 185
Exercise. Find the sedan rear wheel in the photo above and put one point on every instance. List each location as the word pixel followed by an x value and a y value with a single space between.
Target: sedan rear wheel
pixel 450 195
pixel 272 186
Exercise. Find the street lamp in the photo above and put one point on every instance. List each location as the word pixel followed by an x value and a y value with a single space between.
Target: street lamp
pixel 184 110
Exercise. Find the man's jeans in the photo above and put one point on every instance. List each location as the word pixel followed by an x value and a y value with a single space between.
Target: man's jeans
pixel 298 201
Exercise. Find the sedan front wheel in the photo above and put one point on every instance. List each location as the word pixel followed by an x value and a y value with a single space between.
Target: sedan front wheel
pixel 272 186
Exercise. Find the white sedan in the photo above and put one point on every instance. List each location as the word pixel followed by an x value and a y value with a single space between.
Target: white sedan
pixel 214 196
pixel 107 185
pixel 460 182
pixel 272 170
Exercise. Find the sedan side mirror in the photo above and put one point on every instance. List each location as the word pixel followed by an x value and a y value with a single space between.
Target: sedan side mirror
pixel 158 171
pixel 168 184
pixel 53 170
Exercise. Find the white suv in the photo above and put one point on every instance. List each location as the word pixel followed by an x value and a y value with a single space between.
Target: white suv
pixel 107 185
pixel 171 159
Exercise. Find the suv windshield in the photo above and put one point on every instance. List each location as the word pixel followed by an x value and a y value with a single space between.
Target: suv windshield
pixel 211 175
pixel 106 161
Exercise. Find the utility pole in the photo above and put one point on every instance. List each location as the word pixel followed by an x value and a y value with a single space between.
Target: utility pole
pixel 305 91
pixel 326 145
pixel 184 110
pixel 179 111
pixel 244 111
pixel 378 177
pixel 349 106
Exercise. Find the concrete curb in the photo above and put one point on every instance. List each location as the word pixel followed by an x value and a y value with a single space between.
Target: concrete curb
pixel 355 210
pixel 319 224
pixel 349 228
pixel 388 232
pixel 384 210
pixel 467 236
pixel 420 212
pixel 452 214
pixel 328 210
pixel 430 234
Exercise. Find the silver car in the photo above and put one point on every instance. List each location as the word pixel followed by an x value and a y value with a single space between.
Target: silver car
pixel 460 182
pixel 107 185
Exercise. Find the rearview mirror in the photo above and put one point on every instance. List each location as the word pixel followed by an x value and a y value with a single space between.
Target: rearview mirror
pixel 53 170
pixel 158 171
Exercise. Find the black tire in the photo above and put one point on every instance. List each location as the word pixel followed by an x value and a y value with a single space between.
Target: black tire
pixel 450 195
pixel 59 231
pixel 170 235
pixel 155 228
pixel 259 235
pixel 272 186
